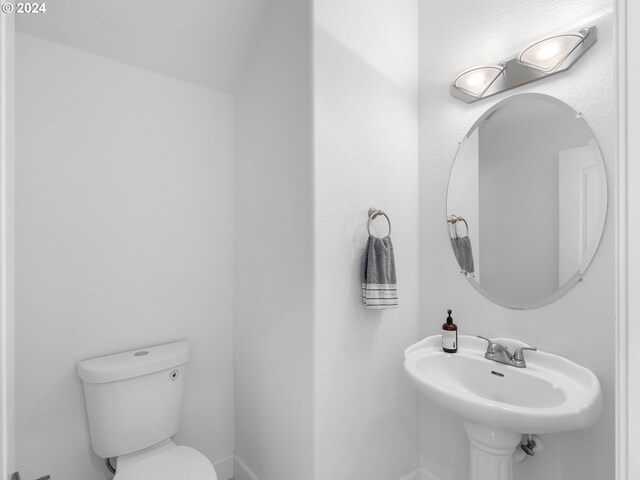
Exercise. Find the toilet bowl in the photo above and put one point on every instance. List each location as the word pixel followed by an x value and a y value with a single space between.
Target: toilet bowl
pixel 134 403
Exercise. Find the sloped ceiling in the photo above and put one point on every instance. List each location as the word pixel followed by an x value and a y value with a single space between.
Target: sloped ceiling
pixel 205 42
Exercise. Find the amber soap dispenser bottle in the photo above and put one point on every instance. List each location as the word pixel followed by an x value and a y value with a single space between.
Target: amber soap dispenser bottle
pixel 449 335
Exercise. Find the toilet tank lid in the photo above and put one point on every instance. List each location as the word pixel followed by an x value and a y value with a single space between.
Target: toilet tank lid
pixel 134 363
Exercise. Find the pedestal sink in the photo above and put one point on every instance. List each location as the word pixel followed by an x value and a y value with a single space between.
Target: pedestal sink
pixel 499 403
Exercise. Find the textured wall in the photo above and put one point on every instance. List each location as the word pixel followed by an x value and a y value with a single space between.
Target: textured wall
pixel 366 155
pixel 274 251
pixel 580 325
pixel 120 244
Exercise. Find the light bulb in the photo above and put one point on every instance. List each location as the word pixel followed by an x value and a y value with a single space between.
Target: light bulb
pixel 545 52
pixel 477 80
pixel 548 53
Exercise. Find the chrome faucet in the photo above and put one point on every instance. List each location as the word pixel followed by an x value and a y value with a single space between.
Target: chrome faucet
pixel 499 353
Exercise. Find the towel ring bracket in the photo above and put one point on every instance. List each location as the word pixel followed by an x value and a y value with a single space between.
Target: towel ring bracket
pixel 373 214
pixel 453 226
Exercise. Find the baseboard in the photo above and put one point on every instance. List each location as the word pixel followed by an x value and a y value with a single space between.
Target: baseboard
pixel 415 475
pixel 224 467
pixel 429 476
pixel 241 471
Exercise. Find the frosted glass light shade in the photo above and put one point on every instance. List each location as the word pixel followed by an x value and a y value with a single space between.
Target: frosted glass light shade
pixel 477 80
pixel 547 53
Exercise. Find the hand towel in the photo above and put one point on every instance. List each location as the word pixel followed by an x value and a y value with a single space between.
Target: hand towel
pixel 464 255
pixel 379 287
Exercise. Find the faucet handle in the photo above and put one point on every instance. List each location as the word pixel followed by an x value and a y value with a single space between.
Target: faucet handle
pixel 518 355
pixel 491 348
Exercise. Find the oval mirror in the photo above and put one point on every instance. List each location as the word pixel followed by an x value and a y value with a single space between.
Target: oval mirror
pixel 527 201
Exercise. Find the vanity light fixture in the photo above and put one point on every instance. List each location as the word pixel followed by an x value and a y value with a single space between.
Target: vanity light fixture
pixel 540 59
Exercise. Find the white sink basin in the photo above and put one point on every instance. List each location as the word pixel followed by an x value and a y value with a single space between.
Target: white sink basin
pixel 550 395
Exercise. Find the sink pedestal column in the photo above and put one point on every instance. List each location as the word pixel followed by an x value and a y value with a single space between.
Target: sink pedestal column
pixel 491 452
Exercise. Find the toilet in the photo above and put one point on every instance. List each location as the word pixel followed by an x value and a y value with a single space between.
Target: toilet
pixel 134 402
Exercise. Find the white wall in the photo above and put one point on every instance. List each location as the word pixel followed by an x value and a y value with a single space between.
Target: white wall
pixel 7 245
pixel 580 325
pixel 274 251
pixel 124 239
pixel 632 423
pixel 366 136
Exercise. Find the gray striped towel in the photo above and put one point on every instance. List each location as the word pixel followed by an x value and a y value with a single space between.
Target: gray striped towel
pixel 462 250
pixel 379 286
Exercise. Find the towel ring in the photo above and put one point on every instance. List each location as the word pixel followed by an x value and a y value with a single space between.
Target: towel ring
pixel 453 226
pixel 373 214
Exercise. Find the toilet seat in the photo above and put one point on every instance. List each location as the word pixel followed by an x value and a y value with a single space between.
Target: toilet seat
pixel 170 462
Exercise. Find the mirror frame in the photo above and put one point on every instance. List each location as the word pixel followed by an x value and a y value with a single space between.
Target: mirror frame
pixel 604 207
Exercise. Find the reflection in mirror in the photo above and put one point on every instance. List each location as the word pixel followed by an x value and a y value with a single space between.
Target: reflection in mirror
pixel 527 201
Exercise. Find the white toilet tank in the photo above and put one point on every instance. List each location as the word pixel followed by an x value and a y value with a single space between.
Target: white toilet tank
pixel 134 399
